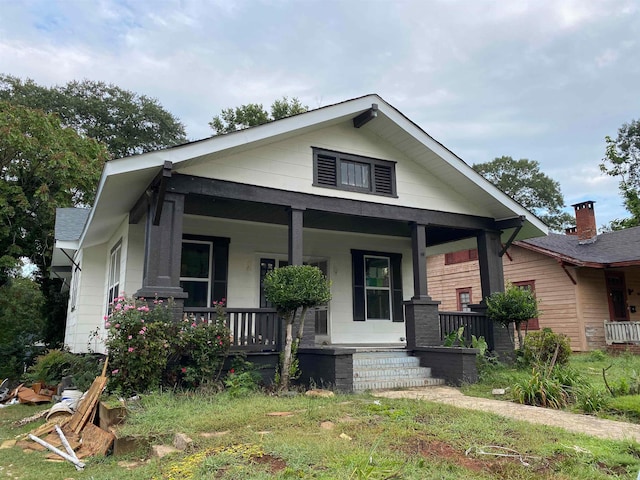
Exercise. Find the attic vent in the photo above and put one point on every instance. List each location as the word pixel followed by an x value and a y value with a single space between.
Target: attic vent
pixel 326 171
pixel 383 178
pixel 355 173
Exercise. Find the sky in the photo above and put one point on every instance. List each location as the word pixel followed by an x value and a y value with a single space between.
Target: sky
pixel 546 80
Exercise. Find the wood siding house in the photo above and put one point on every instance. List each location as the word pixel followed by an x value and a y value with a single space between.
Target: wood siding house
pixel 588 285
pixel 355 188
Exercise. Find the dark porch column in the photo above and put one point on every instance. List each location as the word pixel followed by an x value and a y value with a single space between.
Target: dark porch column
pixel 419 256
pixel 163 251
pixel 295 235
pixel 491 281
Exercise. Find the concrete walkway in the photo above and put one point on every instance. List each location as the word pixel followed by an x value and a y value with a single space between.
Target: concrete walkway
pixel 569 421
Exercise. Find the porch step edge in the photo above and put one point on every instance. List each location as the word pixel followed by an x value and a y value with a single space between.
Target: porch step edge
pixel 391 384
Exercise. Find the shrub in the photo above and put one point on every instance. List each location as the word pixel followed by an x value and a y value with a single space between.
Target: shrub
pixel 242 378
pixel 592 400
pixel 138 340
pixel 55 364
pixel 540 390
pixel 540 347
pixel 514 305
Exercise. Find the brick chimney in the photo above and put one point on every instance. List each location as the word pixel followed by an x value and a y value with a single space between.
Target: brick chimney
pixel 585 222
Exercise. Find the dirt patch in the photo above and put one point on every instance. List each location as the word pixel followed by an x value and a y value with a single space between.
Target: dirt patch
pixel 274 464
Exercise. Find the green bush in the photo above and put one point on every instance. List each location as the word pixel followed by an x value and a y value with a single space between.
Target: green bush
pixel 590 399
pixel 55 364
pixel 242 378
pixel 540 390
pixel 515 305
pixel 539 348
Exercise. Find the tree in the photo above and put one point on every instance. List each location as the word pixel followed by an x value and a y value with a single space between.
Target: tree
pixel 21 324
pixel 293 290
pixel 515 305
pixel 523 181
pixel 43 165
pixel 126 122
pixel 252 114
pixel 622 160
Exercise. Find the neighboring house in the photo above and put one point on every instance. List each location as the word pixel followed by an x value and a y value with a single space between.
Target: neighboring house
pixel 355 188
pixel 588 285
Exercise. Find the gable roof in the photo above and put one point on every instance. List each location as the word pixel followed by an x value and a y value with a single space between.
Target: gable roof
pixel 124 180
pixel 611 249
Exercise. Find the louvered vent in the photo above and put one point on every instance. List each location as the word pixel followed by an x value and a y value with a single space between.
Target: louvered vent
pixel 383 179
pixel 327 170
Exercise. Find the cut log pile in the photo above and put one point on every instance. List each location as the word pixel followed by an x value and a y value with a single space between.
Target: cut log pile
pixel 83 438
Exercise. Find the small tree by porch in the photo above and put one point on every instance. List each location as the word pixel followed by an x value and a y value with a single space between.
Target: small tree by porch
pixel 293 290
pixel 515 305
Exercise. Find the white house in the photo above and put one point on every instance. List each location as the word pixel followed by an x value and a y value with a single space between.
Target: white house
pixel 356 188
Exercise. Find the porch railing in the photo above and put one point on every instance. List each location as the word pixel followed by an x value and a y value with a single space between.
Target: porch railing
pixel 474 324
pixel 252 329
pixel 621 332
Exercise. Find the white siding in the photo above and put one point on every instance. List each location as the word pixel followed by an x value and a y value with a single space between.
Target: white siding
pixel 251 241
pixel 288 165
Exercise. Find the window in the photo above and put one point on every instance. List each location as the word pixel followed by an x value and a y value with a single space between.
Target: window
pixel 377 286
pixel 464 299
pixel 203 269
pixel 532 323
pixel 73 293
pixel 267 265
pixel 461 256
pixel 352 172
pixel 113 284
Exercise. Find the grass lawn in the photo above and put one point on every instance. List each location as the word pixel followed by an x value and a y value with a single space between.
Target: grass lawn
pixel 344 437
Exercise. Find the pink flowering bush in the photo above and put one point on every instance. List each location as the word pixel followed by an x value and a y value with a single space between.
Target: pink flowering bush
pixel 139 343
pixel 201 349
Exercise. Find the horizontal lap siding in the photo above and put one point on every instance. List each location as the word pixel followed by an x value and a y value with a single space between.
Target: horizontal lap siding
pixel 594 305
pixel 443 280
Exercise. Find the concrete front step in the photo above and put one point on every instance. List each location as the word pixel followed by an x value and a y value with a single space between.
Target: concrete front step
pixel 361 386
pixel 389 369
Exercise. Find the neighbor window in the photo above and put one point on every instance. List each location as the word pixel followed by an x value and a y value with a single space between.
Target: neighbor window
pixel 464 299
pixel 345 171
pixel 532 323
pixel 377 286
pixel 461 256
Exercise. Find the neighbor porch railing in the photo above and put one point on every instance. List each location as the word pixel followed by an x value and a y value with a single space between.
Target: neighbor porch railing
pixel 621 332
pixel 474 323
pixel 251 329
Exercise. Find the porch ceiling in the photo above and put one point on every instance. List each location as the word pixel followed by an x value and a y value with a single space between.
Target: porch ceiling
pixel 277 214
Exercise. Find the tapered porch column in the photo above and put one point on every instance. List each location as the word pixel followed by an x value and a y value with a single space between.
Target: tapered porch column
pixel 491 281
pixel 421 312
pixel 163 251
pixel 295 235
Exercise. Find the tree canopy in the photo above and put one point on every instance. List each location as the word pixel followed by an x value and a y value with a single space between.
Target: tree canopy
pixel 622 160
pixel 523 181
pixel 252 114
pixel 43 165
pixel 127 123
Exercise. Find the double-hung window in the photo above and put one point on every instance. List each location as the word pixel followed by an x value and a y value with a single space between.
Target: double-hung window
pixel 344 171
pixel 113 283
pixel 203 269
pixel 377 286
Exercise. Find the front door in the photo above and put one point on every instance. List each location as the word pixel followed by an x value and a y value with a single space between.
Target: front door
pixel 617 295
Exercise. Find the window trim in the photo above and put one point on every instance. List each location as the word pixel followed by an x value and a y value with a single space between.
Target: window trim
pixel 113 283
pixel 459 303
pixel 340 157
pixel 219 264
pixel 388 288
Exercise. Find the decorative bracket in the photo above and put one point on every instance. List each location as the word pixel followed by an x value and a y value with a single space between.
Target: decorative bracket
pixel 366 116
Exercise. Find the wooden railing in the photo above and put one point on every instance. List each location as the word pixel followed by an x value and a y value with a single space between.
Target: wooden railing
pixel 474 324
pixel 621 332
pixel 252 329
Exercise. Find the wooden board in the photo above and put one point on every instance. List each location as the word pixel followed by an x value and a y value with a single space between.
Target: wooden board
pixel 87 405
pixel 95 441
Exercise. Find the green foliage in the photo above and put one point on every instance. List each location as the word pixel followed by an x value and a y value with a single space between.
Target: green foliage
pixel 523 181
pixel 142 340
pixel 296 286
pixel 454 338
pixel 457 337
pixel 540 347
pixel 242 378
pixel 202 348
pixel 43 165
pixel 590 399
pixel 514 305
pixel 21 325
pixel 252 114
pixel 628 405
pixel 127 123
pixel 289 289
pixel 51 367
pixel 541 390
pixel 622 160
